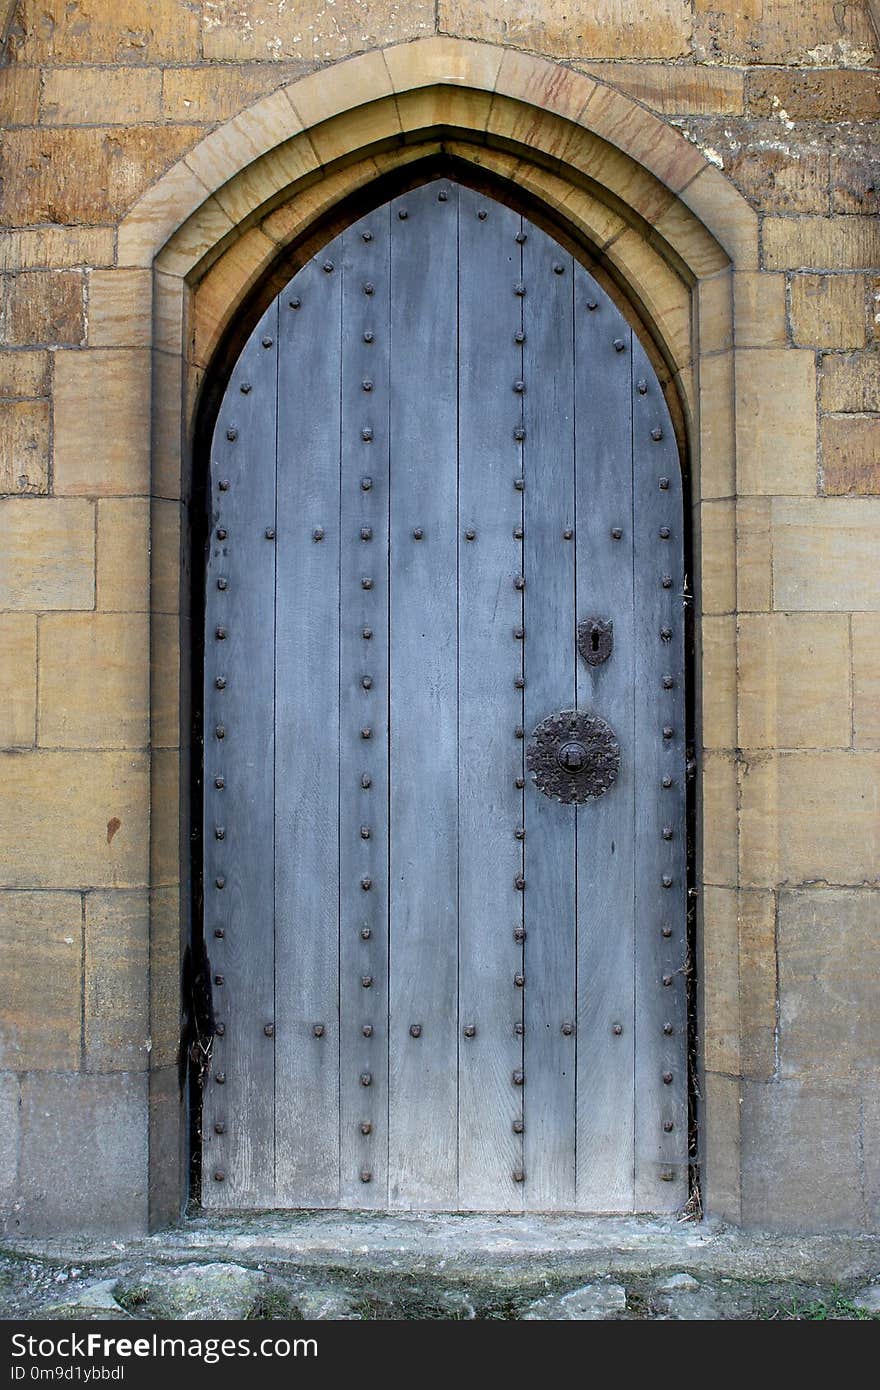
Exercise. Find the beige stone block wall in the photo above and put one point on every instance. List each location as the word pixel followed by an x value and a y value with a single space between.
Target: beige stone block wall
pixel 94 688
pixel 776 433
pixel 24 447
pixel 120 308
pixel 44 306
pixel 41 967
pixel 809 817
pixel 603 29
pixel 866 679
pixel 113 105
pixel 823 554
pixel 90 808
pixel 122 554
pixel 829 311
pixel 850 455
pixel 794 681
pixel 18 679
pixel 116 1022
pixel 47 560
pixel 829 1026
pixel 102 422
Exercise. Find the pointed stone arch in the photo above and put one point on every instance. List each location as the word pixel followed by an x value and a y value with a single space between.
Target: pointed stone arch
pixel 667 231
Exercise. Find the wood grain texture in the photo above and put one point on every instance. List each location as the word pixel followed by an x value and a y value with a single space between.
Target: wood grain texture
pixel 307 738
pixel 549 611
pixel 603 412
pixel 241 809
pixel 423 1070
pixel 490 705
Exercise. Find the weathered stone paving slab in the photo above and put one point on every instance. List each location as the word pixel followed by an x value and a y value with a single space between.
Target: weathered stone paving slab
pixel 345 1266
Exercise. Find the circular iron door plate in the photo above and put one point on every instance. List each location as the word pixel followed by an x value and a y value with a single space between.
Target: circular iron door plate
pixel 573 757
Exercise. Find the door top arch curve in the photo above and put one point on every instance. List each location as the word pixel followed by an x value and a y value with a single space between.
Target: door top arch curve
pixel 378 194
pixel 377 198
pixel 303 130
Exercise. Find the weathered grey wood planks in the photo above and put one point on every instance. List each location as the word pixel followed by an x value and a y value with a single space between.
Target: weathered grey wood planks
pixel 490 705
pixel 307 738
pixel 423 625
pixel 606 1039
pixel 550 655
pixel 441 449
pixel 238 1119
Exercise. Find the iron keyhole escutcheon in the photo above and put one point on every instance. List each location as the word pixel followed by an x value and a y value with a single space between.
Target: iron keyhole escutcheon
pixel 595 640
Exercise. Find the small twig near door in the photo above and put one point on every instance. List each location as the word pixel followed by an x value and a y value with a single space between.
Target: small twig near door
pixel 197 1042
pixel 693 1207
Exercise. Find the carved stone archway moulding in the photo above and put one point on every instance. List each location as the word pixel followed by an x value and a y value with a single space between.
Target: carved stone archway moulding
pixel 659 223
pixel 644 200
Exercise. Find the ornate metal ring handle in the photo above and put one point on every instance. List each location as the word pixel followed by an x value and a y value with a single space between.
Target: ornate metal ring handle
pixel 573 757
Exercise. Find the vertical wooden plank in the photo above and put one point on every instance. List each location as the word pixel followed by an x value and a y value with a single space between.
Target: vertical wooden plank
pixel 364 701
pixel 490 705
pixel 605 1038
pixel 660 849
pixel 423 984
pixel 237 1114
pixel 549 569
pixel 307 736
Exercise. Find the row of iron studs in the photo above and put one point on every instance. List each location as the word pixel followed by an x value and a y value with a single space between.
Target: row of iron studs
pixel 366 1125
pixel 221 633
pixel 520 931
pixel 667 733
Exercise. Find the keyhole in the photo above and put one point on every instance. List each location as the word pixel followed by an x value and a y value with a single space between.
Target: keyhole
pixel 595 640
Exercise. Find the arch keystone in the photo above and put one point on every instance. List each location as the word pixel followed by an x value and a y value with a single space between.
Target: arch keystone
pixel 445 61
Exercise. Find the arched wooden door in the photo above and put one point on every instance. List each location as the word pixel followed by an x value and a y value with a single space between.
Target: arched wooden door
pixel 444 736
